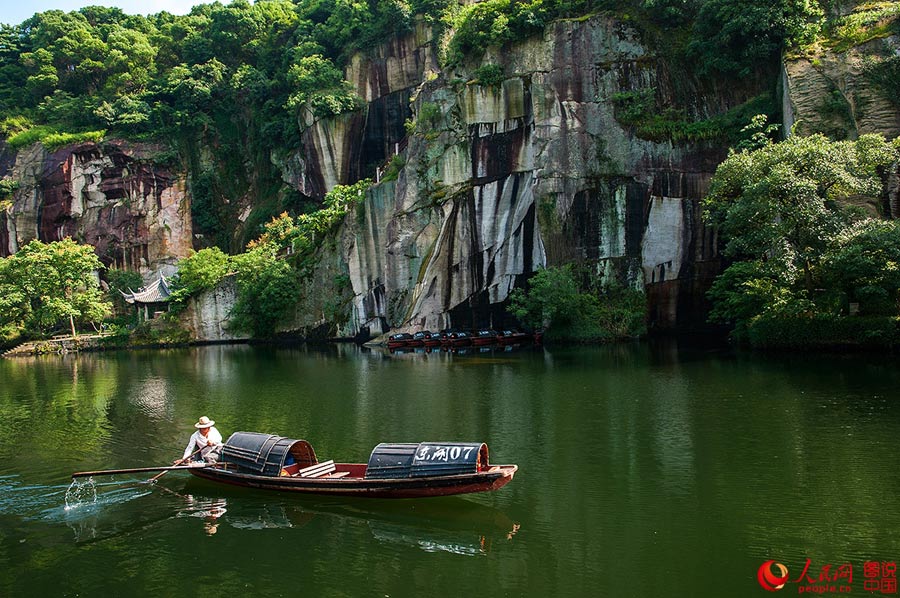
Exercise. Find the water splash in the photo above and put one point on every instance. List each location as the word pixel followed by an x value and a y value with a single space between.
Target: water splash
pixel 81 492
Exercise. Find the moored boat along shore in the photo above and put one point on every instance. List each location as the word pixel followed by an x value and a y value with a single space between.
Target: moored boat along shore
pixel 67 344
pixel 457 338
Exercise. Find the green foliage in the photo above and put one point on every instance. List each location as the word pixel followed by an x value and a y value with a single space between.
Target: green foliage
pixel 497 22
pixel 319 84
pixel 267 290
pixel 639 108
pixel 14 125
pixel 553 298
pixel 884 73
pixel 783 199
pixel 635 106
pixel 758 134
pixel 868 21
pixel 864 265
pixel 204 204
pixel 736 36
pixel 800 248
pixel 490 75
pixel 268 273
pixel 824 331
pixel 120 281
pixel 51 138
pixel 554 301
pixel 428 117
pixel 29 136
pixel 200 271
pixel 671 13
pixel 393 168
pixel 45 284
pixel 54 141
pixel 163 330
pixel 8 187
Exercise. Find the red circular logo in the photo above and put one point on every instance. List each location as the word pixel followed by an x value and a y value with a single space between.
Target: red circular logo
pixel 768 580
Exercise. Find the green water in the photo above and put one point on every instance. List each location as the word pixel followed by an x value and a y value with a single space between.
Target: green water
pixel 644 470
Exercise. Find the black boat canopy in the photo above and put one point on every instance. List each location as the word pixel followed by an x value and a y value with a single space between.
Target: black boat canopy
pixel 426 459
pixel 265 454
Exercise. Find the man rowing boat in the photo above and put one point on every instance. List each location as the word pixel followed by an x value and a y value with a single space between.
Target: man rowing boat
pixel 205 444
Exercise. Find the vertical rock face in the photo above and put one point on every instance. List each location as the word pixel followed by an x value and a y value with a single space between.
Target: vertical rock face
pixel 843 94
pixel 112 196
pixel 535 171
pixel 833 92
pixel 206 316
pixel 349 147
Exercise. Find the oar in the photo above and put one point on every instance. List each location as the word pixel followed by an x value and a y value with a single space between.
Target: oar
pixel 159 475
pixel 83 474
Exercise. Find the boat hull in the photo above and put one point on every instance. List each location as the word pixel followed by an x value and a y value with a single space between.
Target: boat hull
pixel 488 480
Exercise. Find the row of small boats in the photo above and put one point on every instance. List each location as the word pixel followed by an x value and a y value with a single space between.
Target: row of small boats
pixel 460 338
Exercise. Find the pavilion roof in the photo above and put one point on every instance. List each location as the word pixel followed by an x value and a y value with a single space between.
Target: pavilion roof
pixel 155 292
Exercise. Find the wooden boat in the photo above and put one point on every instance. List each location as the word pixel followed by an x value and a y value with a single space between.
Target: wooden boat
pixel 401 339
pixel 484 337
pixel 423 469
pixel 432 339
pixel 508 337
pixel 459 339
pixel 418 338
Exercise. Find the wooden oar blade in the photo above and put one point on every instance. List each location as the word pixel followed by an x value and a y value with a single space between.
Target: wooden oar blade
pixel 82 474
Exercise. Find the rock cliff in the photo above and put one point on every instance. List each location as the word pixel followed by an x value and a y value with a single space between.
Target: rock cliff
pixel 110 195
pixel 832 92
pixel 533 171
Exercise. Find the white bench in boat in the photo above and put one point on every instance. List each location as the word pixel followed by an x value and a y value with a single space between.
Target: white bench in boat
pixel 325 469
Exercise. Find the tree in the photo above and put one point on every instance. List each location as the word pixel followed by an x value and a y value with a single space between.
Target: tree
pixel 781 209
pixel 200 271
pixel 45 284
pixel 267 290
pixel 552 299
pixel 865 266
pixel 555 301
pixel 120 281
pixel 738 36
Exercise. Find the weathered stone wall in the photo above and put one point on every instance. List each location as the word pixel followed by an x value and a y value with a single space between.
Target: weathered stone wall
pixel 206 315
pixel 830 93
pixel 111 195
pixel 535 172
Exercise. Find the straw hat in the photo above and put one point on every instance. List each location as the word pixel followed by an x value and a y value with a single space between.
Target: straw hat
pixel 204 422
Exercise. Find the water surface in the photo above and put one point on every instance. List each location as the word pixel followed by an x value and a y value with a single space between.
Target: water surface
pixel 645 470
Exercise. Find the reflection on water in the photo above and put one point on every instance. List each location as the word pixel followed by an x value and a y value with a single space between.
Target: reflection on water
pixel 451 525
pixel 645 470
pixel 207 509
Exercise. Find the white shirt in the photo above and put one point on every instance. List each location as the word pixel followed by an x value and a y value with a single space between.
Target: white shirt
pixel 198 440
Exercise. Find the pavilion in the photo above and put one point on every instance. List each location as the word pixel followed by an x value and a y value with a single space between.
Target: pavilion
pixel 153 298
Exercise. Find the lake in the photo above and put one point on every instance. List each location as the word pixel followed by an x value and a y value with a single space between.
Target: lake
pixel 647 469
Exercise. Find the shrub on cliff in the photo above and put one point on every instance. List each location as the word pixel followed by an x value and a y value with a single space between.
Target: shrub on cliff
pixel 198 272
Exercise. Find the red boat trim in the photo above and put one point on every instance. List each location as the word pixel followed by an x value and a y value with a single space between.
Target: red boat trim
pixel 490 479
